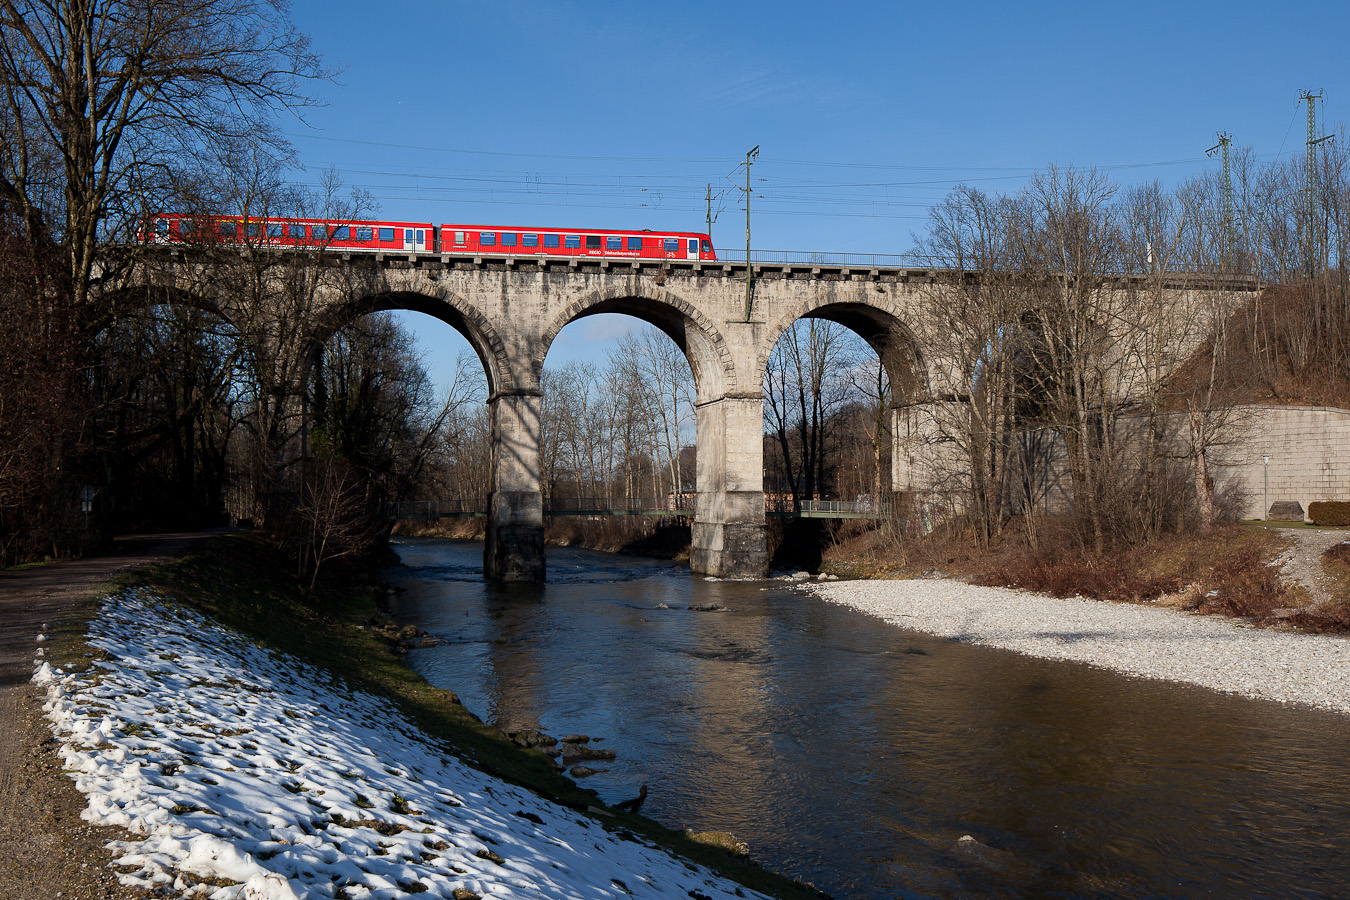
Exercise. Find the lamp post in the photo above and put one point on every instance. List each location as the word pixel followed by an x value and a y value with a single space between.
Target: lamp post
pixel 1265 509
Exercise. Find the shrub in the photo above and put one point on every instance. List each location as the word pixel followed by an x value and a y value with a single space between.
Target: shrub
pixel 1242 585
pixel 1116 578
pixel 1338 554
pixel 1329 512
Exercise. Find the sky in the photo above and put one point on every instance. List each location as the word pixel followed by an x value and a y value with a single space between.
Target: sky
pixel 619 115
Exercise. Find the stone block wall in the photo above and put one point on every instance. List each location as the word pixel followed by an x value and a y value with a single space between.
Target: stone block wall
pixel 1309 457
pixel 1308 449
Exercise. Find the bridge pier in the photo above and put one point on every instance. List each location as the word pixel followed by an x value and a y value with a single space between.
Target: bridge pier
pixel 514 548
pixel 729 536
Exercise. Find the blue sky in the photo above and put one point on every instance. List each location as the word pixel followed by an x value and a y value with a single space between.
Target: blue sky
pixel 619 114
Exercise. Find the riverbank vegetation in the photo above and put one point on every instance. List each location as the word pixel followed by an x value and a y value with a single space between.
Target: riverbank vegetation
pixel 1232 569
pixel 341 629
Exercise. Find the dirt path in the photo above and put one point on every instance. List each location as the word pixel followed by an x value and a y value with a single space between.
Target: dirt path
pixel 1302 562
pixel 47 852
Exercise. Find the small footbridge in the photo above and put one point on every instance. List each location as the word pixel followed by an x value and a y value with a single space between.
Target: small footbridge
pixel 675 506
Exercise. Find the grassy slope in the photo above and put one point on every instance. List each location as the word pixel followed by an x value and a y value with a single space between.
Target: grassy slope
pixel 238 581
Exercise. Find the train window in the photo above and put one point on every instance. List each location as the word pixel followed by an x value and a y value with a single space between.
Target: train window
pixel 387 235
pixel 550 240
pixel 364 234
pixel 274 230
pixel 574 241
pixel 342 233
pixel 255 229
pixel 707 246
pixel 162 226
pixel 508 238
pixel 635 243
pixel 693 245
pixel 186 227
pixel 594 242
pixel 672 245
pixel 487 238
pixel 529 240
pixel 613 242
pixel 228 229
pixel 459 237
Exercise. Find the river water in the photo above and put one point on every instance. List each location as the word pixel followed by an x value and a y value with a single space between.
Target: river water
pixel 855 755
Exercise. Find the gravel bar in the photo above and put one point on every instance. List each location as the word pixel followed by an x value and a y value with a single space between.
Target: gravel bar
pixel 1149 641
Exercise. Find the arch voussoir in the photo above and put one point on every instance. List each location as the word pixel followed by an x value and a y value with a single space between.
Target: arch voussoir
pixel 699 338
pixel 441 304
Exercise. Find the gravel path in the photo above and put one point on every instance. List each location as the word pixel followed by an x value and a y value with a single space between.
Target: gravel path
pixel 1149 641
pixel 46 850
pixel 1302 562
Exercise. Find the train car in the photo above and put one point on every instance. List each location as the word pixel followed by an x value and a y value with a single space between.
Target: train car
pixel 346 235
pixel 423 237
pixel 485 240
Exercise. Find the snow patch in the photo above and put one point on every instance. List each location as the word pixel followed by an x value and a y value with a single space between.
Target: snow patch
pixel 248 775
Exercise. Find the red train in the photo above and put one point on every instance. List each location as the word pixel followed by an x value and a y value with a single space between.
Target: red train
pixel 423 237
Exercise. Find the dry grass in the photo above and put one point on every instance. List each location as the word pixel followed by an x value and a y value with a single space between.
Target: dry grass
pixel 1242 584
pixel 1224 572
pixel 1333 617
pixel 1115 578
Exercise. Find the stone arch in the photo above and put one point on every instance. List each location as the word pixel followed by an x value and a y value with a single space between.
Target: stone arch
pixel 691 329
pixel 142 294
pixel 882 327
pixel 444 306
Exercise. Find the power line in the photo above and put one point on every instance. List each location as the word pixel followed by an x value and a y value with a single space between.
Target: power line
pixel 667 159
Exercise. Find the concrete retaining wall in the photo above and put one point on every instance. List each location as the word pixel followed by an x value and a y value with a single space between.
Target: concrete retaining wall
pixel 1309 457
pixel 1307 448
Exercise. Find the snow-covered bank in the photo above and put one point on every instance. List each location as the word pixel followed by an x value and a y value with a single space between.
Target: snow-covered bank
pixel 1149 641
pixel 247 775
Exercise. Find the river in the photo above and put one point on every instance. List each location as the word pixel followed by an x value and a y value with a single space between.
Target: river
pixel 855 755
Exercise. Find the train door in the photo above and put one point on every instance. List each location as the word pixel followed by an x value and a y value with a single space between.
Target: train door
pixel 693 248
pixel 415 240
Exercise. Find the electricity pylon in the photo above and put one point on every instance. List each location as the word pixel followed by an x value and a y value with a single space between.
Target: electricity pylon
pixel 1312 244
pixel 1229 235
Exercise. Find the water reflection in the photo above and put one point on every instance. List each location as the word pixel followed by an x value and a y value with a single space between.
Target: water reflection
pixel 856 755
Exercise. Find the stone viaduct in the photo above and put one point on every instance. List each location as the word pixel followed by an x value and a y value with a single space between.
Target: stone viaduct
pixel 512 308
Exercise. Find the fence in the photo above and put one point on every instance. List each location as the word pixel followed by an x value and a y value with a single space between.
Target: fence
pixel 672 505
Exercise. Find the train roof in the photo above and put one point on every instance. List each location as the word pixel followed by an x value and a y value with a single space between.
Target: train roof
pixel 542 229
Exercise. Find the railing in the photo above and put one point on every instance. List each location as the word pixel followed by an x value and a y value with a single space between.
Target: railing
pixel 865 508
pixel 673 505
pixel 736 256
pixel 810 258
pixel 435 509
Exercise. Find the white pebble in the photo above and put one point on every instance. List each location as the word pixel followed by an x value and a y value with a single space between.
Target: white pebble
pixel 1148 641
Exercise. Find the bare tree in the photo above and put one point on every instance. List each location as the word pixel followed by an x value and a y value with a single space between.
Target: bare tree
pixel 1071 249
pixel 335 518
pixel 977 325
pixel 44 407
pixel 656 377
pixel 806 384
pixel 98 94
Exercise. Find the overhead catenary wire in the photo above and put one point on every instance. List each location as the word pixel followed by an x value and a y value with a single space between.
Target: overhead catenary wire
pixel 783 193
